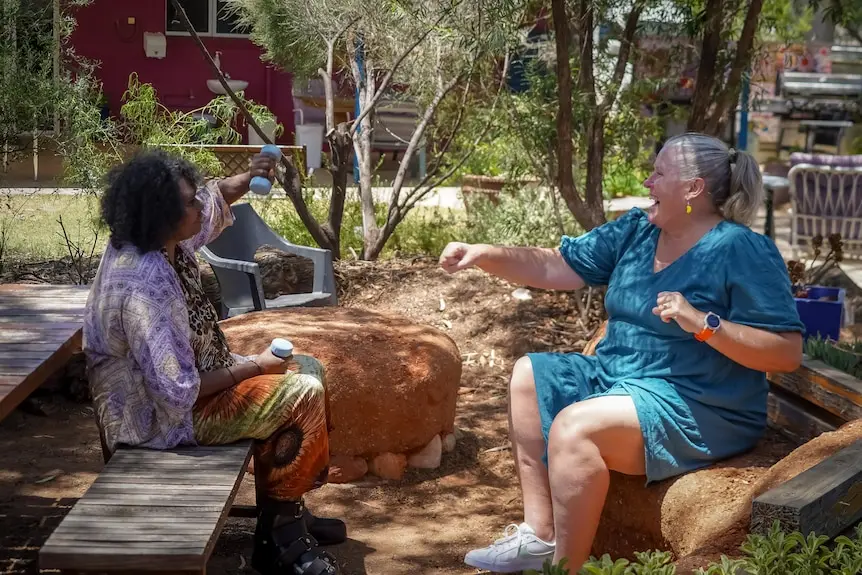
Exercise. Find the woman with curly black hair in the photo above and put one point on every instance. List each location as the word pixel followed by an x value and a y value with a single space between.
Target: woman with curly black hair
pixel 161 371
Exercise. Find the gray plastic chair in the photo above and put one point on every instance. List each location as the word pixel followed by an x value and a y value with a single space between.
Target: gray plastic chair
pixel 231 256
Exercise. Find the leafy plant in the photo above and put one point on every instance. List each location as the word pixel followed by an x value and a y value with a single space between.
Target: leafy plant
pixel 776 553
pixel 843 356
pixel 151 124
pixel 520 217
pixel 803 275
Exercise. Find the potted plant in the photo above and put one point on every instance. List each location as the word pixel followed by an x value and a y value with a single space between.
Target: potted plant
pixel 821 308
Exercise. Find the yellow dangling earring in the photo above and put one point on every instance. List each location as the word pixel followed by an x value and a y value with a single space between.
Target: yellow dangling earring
pixel 688 208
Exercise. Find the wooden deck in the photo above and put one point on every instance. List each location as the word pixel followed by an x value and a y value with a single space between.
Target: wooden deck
pixel 40 329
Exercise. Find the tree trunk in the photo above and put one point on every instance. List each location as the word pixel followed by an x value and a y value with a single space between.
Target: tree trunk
pixel 565 150
pixel 370 230
pixel 340 144
pixel 595 117
pixel 706 70
pixel 595 170
pixel 742 60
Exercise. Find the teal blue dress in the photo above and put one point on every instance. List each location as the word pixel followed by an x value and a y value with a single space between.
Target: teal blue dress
pixel 694 405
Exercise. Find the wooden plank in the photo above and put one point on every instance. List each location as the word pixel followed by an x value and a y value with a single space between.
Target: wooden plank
pixel 34 327
pixel 27 348
pixel 28 362
pixel 185 537
pixel 31 381
pixel 118 512
pixel 43 319
pixel 22 336
pixel 161 479
pixel 16 371
pixel 19 288
pixel 142 522
pixel 825 499
pixel 157 489
pixel 833 390
pixel 139 513
pixel 797 419
pixel 22 355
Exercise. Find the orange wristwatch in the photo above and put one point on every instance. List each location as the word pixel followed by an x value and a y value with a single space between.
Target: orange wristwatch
pixel 711 323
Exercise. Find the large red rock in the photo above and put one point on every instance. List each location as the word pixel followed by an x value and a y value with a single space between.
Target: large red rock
pixel 392 384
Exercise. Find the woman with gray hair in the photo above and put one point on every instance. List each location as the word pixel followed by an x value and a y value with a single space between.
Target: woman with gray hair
pixel 699 308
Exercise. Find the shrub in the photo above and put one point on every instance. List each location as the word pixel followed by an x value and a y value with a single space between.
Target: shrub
pixel 777 553
pixel 524 217
pixel 425 231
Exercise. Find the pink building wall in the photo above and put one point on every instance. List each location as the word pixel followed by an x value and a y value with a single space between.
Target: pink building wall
pixel 104 34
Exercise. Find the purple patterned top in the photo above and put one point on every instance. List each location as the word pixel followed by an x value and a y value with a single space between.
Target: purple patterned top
pixel 140 361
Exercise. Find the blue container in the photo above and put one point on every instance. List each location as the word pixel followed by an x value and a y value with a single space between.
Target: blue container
pixel 822 311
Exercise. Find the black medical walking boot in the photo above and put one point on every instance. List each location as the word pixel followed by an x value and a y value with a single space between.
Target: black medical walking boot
pixel 283 545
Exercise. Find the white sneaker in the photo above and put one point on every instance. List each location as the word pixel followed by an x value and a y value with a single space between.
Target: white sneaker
pixel 518 550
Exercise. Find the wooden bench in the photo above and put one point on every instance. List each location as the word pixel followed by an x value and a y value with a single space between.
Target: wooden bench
pixel 150 511
pixel 40 330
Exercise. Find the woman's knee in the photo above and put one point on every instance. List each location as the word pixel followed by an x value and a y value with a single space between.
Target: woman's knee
pixel 522 382
pixel 307 385
pixel 571 436
pixel 604 431
pixel 311 366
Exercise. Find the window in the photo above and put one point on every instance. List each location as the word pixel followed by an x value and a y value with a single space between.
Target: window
pixel 209 18
pixel 227 21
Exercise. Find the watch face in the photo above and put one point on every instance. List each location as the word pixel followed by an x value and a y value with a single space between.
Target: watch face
pixel 712 321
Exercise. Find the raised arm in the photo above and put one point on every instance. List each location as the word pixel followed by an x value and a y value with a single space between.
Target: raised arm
pixel 542 268
pixel 588 259
pixel 235 187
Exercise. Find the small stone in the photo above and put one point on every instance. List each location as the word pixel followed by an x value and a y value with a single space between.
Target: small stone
pixel 389 466
pixel 346 468
pixel 449 443
pixel 429 456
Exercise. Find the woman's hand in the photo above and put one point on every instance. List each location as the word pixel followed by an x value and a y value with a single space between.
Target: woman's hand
pixel 263 166
pixel 270 364
pixel 673 306
pixel 457 256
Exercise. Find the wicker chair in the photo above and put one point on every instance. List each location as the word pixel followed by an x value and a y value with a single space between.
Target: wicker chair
pixel 826 198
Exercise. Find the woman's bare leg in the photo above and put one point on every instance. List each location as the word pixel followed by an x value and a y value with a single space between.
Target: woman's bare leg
pixel 587 441
pixel 528 447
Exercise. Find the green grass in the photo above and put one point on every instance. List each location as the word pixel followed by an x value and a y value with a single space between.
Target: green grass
pixel 34 231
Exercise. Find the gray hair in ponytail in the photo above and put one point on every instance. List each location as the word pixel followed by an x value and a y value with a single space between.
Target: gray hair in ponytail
pixel 732 178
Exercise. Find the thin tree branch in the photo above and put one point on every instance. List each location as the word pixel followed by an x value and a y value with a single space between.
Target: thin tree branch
pixel 586 76
pixel 706 71
pixel 564 147
pixel 417 136
pixel 384 84
pixel 741 60
pixel 417 196
pixel 623 56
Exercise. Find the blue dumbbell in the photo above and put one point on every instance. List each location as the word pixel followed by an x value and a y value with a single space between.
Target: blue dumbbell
pixel 281 348
pixel 259 184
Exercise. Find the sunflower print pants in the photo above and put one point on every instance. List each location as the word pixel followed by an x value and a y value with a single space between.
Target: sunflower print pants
pixel 286 415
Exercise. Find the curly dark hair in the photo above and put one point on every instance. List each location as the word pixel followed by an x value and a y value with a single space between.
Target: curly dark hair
pixel 143 204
